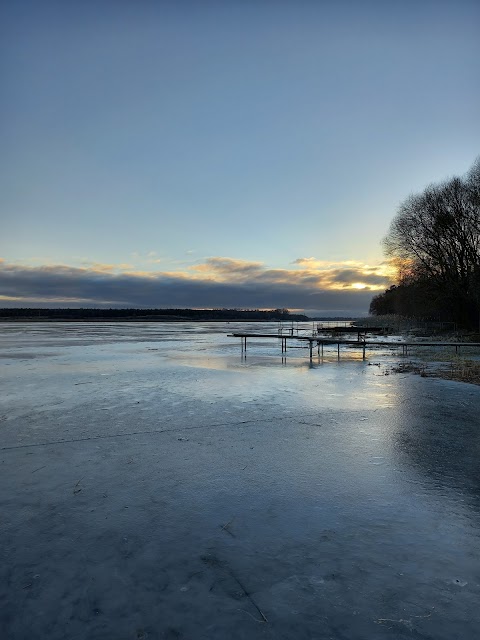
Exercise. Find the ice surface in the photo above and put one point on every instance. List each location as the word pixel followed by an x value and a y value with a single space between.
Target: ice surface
pixel 157 484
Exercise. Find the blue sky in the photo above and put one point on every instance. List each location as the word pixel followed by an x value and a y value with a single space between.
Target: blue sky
pixel 150 140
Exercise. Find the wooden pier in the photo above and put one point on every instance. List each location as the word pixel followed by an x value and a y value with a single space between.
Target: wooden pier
pixel 320 342
pixel 360 331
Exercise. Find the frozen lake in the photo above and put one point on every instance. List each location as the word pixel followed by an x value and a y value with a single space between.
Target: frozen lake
pixel 156 484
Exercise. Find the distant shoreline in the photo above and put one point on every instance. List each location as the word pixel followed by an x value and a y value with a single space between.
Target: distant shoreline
pixel 36 315
pixel 143 320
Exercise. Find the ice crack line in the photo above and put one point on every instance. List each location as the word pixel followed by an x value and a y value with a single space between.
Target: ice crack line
pixel 169 430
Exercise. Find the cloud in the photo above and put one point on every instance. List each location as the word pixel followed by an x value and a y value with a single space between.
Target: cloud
pixel 228 269
pixel 313 272
pixel 313 263
pixel 216 282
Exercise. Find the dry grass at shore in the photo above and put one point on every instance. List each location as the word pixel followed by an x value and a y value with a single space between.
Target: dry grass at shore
pixel 460 370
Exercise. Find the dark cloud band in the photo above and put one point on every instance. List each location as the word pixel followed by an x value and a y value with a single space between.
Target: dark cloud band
pixel 67 286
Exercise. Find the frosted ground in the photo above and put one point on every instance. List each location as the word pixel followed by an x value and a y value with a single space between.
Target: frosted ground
pixel 156 484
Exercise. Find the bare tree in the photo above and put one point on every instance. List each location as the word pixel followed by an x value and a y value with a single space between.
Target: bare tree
pixel 435 239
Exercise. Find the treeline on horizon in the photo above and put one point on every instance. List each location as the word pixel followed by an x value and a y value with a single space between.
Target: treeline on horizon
pixel 150 314
pixel 434 242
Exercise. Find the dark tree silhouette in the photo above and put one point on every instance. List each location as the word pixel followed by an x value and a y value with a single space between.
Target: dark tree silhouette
pixel 435 241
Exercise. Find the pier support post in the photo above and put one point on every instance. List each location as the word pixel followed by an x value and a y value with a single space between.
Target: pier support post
pixel 364 350
pixel 338 350
pixel 311 347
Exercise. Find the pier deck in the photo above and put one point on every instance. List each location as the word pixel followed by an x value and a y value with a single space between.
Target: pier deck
pixel 360 331
pixel 364 344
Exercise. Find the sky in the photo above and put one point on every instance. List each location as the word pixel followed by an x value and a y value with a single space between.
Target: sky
pixel 234 153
